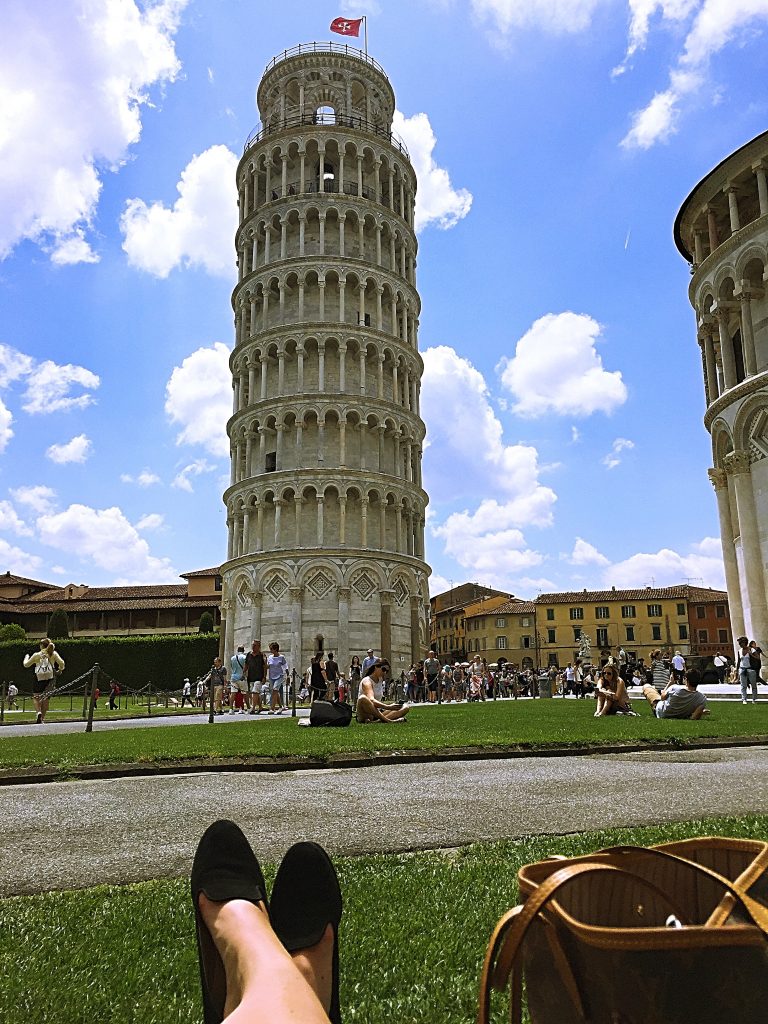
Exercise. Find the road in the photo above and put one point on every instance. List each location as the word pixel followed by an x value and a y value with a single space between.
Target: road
pixel 71 834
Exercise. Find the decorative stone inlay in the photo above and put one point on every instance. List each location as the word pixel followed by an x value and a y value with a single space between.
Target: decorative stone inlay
pixel 243 594
pixel 319 584
pixel 400 590
pixel 276 586
pixel 757 444
pixel 364 585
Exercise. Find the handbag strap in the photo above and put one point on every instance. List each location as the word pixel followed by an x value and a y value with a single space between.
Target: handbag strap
pixel 504 949
pixel 755 909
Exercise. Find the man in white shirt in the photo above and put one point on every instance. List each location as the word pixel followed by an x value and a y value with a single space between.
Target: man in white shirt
pixel 721 664
pixel 678 667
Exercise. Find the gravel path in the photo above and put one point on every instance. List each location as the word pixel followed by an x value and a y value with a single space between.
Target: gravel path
pixel 72 834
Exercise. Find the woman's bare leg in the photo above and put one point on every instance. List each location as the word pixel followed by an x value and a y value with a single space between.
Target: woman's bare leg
pixel 393 716
pixel 265 985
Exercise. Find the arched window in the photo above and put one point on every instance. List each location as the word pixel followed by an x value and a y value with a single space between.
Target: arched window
pixel 325 115
pixel 326 177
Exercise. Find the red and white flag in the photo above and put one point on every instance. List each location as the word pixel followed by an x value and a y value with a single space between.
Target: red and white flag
pixel 346 26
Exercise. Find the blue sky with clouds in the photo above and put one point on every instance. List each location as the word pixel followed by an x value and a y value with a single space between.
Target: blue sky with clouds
pixel 554 142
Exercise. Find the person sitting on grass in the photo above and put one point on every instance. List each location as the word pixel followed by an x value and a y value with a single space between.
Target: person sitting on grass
pixel 678 700
pixel 611 693
pixel 369 707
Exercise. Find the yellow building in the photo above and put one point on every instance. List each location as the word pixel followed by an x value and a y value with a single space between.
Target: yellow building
pixel 639 621
pixel 446 619
pixel 502 627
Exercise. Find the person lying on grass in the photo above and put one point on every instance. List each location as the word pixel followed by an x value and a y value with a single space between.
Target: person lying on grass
pixel 678 700
pixel 611 694
pixel 369 707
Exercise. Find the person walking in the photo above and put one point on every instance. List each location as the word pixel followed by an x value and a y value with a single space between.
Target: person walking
pixel 354 676
pixel 748 666
pixel 46 663
pixel 216 678
pixel 114 693
pixel 277 669
pixel 318 681
pixel 255 674
pixel 186 693
pixel 237 681
pixel 332 676
pixel 13 692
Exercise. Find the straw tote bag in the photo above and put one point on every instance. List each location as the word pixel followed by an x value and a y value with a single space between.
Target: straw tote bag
pixel 671 934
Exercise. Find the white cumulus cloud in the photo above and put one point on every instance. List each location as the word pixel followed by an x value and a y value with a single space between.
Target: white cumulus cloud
pixel 198 397
pixel 585 553
pixel 10 520
pixel 198 230
pixel 74 77
pixel 37 497
pixel 613 458
pixel 183 479
pixel 15 560
pixel 48 388
pixel 557 369
pixel 14 365
pixel 106 538
pixel 146 478
pixel 78 449
pixel 486 541
pixel 702 565
pixel 556 16
pixel 151 521
pixel 437 201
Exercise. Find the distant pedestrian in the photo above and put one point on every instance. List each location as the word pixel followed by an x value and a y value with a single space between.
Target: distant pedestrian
pixel 368 661
pixel 216 678
pixel 114 693
pixel 678 667
pixel 200 693
pixel 237 683
pixel 354 676
pixel 255 675
pixel 277 669
pixel 331 675
pixel 13 692
pixel 46 662
pixel 749 665
pixel 721 664
pixel 186 693
pixel 318 681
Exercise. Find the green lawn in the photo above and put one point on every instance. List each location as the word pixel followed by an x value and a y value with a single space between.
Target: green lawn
pixel 413 936
pixel 504 724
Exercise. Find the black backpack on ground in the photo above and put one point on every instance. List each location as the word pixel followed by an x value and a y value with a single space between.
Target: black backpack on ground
pixel 330 712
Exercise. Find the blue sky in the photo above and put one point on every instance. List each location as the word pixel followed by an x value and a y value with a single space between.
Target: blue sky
pixel 554 143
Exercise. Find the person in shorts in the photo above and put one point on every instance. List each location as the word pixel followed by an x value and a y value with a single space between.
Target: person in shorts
pixel 216 679
pixel 678 700
pixel 255 674
pixel 277 667
pixel 238 686
pixel 370 708
pixel 46 663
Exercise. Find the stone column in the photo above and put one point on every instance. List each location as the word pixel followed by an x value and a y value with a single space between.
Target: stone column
pixel 255 615
pixel 284 179
pixel 342 651
pixel 737 466
pixel 380 379
pixel 762 187
pixel 296 651
pixel 747 329
pixel 278 522
pixel 415 637
pixel 279 428
pixel 342 300
pixel 342 521
pixel 229 631
pixel 230 538
pixel 712 229
pixel 342 442
pixel 260 526
pixel 297 503
pixel 342 367
pixel 283 238
pixel 321 362
pixel 300 352
pixel 726 348
pixel 385 597
pixel 733 208
pixel 698 247
pixel 362 370
pixel 281 365
pixel 264 361
pixel 363 522
pixel 342 221
pixel 246 532
pixel 251 383
pixel 320 523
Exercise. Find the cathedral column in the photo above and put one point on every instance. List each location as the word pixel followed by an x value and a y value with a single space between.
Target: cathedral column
pixel 395 385
pixel 342 290
pixel 321 365
pixel 737 466
pixel 296 651
pixel 381 430
pixel 379 310
pixel 230 538
pixel 362 370
pixel 297 503
pixel 342 367
pixel 726 347
pixel 747 329
pixel 320 523
pixel 229 631
pixel 264 360
pixel 399 528
pixel 279 428
pixel 278 521
pixel 378 245
pixel 281 364
pixel 236 552
pixel 364 522
pixel 385 598
pixel 712 229
pixel 342 442
pixel 300 352
pixel 255 250
pixel 248 453
pixel 380 379
pixel 719 480
pixel 283 238
pixel 251 382
pixel 382 524
pixel 762 187
pixel 302 172
pixel 246 531
pixel 322 236
pixel 321 441
pixel 284 176
pixel 260 526
pixel 255 615
pixel 299 441
pixel 415 631
pixel 342 521
pixel 265 310
pixel 302 229
pixel 342 220
pixel 733 208
pixel 321 286
pixel 342 650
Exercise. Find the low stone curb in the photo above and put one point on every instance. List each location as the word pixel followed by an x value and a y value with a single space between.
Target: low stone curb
pixel 350 759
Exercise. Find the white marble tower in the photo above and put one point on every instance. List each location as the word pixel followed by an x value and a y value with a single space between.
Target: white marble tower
pixel 722 230
pixel 325 507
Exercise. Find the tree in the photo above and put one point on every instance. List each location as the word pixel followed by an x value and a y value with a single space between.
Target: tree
pixel 13 631
pixel 206 623
pixel 58 625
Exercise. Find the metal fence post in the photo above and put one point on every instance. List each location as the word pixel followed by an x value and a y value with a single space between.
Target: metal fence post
pixel 94 680
pixel 293 693
pixel 2 704
pixel 210 702
pixel 149 698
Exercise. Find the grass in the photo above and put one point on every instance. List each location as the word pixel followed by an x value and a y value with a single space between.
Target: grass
pixel 414 933
pixel 536 724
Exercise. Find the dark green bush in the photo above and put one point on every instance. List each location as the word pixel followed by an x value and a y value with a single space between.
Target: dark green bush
pixel 58 625
pixel 12 631
pixel 206 623
pixel 132 660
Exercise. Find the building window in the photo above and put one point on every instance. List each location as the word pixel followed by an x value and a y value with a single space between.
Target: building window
pixel 655 632
pixel 217 583
pixel 720 611
pixel 525 622
pixel 270 462
pixel 577 613
pixel 722 636
pixel 654 611
pixel 501 623
pixel 701 611
pixel 550 614
pixel 501 643
pixel 603 612
pixel 681 609
pixel 703 636
pixel 630 633
pixel 525 641
pixel 550 636
pixel 576 632
pixel 628 611
pixel 682 632
pixel 602 637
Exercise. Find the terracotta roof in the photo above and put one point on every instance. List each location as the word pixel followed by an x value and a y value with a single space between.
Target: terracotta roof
pixel 514 606
pixel 9 577
pixel 216 571
pixel 21 606
pixel 640 594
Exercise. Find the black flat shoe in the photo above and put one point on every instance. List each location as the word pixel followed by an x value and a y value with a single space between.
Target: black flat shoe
pixel 306 898
pixel 225 868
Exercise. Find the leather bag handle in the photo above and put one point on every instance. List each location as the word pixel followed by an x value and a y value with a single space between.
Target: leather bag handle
pixel 506 941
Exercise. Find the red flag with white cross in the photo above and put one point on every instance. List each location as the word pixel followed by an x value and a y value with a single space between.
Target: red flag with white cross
pixel 346 26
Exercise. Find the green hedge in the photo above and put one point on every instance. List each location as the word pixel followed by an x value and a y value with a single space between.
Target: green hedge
pixel 132 660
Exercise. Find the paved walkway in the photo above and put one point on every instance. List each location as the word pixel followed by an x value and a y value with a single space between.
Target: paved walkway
pixel 69 835
pixel 145 722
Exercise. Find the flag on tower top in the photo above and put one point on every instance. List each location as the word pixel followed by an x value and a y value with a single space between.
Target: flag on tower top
pixel 346 26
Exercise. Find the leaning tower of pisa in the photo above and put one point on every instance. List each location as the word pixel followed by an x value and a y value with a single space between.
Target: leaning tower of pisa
pixel 325 508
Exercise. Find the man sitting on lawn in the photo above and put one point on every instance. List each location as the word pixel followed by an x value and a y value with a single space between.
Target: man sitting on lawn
pixel 369 707
pixel 678 700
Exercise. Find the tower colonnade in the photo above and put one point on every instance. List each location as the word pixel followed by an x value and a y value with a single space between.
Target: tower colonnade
pixel 325 508
pixel 722 230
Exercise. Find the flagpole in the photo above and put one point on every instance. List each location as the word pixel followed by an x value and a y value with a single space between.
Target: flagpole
pixel 365 26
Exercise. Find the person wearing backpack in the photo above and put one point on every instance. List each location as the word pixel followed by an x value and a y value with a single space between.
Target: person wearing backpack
pixel 46 662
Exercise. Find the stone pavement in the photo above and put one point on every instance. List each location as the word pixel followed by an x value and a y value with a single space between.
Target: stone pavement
pixel 74 834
